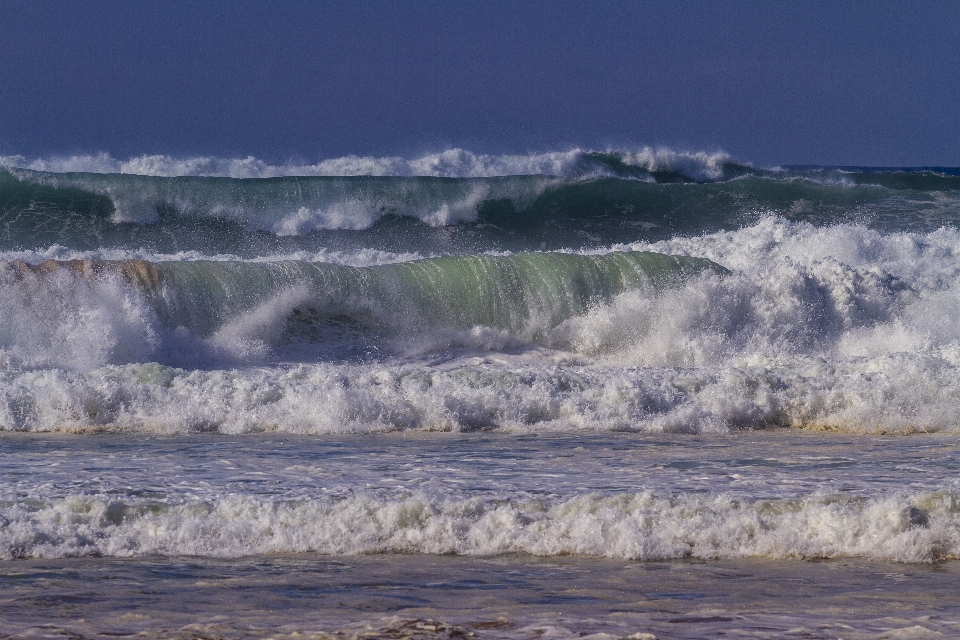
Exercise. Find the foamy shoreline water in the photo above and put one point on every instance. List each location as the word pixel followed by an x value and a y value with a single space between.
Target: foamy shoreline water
pixel 674 535
pixel 639 497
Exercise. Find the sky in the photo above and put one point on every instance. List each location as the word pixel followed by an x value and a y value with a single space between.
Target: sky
pixel 842 83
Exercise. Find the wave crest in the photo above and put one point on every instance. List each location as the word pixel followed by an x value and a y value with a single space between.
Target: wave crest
pixel 450 163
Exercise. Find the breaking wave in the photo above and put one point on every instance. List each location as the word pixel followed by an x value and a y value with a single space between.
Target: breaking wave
pixel 452 163
pixel 840 328
pixel 645 526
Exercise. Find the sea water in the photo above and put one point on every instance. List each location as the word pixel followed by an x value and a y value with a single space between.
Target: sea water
pixel 562 393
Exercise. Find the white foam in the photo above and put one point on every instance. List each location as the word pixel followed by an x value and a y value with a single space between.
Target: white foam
pixel 358 214
pixel 63 321
pixel 774 239
pixel 890 393
pixel 701 165
pixel 643 525
pixel 451 163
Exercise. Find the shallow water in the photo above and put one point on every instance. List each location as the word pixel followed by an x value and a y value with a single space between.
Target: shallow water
pixel 778 494
pixel 450 596
pixel 779 463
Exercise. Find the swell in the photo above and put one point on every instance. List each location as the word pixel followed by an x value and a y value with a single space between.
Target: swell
pixel 251 217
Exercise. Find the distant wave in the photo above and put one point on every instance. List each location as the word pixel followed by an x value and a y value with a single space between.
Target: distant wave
pixel 452 163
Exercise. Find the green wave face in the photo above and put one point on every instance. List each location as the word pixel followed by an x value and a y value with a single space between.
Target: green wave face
pixel 523 294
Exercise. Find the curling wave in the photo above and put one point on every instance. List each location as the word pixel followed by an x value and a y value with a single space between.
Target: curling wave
pixel 124 311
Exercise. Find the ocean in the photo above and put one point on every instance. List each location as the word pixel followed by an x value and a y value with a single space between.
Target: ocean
pixel 554 395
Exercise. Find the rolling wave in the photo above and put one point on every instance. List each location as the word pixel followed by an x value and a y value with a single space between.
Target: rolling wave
pixel 251 217
pixel 256 305
pixel 144 295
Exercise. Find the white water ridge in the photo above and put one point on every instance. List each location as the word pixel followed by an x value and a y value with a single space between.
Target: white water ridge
pixel 772 495
pixel 450 163
pixel 639 526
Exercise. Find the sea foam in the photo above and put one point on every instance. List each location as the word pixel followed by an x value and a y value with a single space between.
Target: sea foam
pixel 643 525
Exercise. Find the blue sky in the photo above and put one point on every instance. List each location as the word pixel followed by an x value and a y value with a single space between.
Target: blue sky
pixel 874 83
